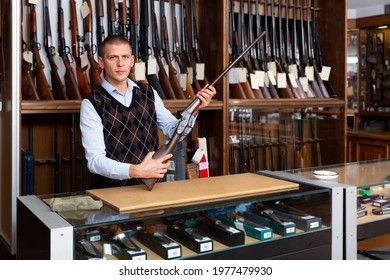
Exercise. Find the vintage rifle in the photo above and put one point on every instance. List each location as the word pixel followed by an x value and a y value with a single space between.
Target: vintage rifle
pixel 94 73
pixel 123 20
pixel 156 44
pixel 100 32
pixel 111 17
pixel 58 89
pixel 166 53
pixel 81 75
pixel 71 86
pixel 177 53
pixel 144 48
pixel 186 114
pixel 42 84
pixel 236 90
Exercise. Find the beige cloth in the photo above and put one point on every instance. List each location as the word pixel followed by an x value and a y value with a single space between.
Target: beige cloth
pixel 76 203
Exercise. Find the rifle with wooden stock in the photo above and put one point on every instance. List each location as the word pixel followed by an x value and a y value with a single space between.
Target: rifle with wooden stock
pixel 111 17
pixel 100 32
pixel 185 117
pixel 93 72
pixel 144 48
pixel 177 54
pixel 58 89
pixel 42 85
pixel 71 86
pixel 236 90
pixel 156 45
pixel 166 53
pixel 81 75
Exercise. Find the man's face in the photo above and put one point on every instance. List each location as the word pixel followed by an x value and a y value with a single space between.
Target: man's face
pixel 117 62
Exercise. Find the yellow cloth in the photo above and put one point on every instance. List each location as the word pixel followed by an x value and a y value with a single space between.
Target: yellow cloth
pixel 76 203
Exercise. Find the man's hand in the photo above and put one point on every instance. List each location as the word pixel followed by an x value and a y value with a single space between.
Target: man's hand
pixel 205 95
pixel 150 168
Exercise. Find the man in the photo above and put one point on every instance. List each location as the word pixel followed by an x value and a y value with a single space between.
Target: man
pixel 119 121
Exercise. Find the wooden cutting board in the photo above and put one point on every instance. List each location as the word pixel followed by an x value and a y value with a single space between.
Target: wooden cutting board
pixel 130 199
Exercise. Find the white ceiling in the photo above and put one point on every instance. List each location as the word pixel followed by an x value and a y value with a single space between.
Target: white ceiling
pixel 366 8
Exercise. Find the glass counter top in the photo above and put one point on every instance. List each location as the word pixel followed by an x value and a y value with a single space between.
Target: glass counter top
pixel 361 174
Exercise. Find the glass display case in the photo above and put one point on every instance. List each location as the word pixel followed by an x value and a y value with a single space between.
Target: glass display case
pixel 221 219
pixel 366 196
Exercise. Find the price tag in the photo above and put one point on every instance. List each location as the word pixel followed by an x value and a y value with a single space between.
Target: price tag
pixel 233 76
pixel 166 68
pixel 242 74
pixel 325 73
pixel 271 66
pixel 190 74
pixel 200 71
pixel 282 80
pixel 33 2
pixel 139 71
pixel 28 56
pixel 84 9
pixel 254 82
pixel 260 78
pixel 266 80
pixel 84 60
pixel 309 71
pixel 152 66
pixel 183 81
pixel 292 68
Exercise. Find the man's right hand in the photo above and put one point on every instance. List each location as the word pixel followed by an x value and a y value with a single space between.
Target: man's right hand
pixel 150 167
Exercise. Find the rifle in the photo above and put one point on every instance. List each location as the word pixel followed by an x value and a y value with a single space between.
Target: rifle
pixel 196 51
pixel 259 63
pixel 166 53
pixel 255 166
pixel 72 89
pixel 29 92
pixel 263 145
pixel 94 73
pixel 58 88
pixel 185 50
pixel 232 141
pixel 123 20
pixel 134 34
pixel 144 47
pixel 42 84
pixel 162 75
pixel 267 59
pixel 100 33
pixel 185 117
pixel 285 90
pixel 238 42
pixel 75 38
pixel 235 87
pixel 111 17
pixel 177 53
pixel 310 47
pixel 316 144
pixel 270 151
pixel 243 162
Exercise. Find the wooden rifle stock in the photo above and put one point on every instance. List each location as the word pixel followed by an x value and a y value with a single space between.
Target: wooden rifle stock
pixel 94 73
pixel 56 83
pixel 111 17
pixel 71 86
pixel 81 75
pixel 100 33
pixel 186 113
pixel 42 84
pixel 29 91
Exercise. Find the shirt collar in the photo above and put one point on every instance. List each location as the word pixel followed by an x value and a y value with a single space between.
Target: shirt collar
pixel 116 94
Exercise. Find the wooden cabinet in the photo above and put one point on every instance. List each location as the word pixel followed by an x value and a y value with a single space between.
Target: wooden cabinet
pixel 51 127
pixel 367 145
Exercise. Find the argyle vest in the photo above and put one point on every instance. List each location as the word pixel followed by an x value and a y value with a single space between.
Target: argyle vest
pixel 130 133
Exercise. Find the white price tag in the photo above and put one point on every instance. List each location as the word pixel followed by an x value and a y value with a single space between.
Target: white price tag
pixel 152 66
pixel 34 2
pixel 254 82
pixel 309 71
pixel 139 71
pixel 293 80
pixel 271 66
pixel 242 74
pixel 200 68
pixel 28 56
pixel 325 73
pixel 233 76
pixel 266 79
pixel 84 9
pixel 292 68
pixel 282 80
pixel 84 60
pixel 304 83
pixel 166 68
pixel 183 81
pixel 260 78
pixel 190 74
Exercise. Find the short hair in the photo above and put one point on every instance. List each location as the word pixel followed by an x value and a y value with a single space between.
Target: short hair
pixel 113 40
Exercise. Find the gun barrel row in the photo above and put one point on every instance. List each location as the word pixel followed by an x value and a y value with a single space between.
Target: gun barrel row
pixel 286 63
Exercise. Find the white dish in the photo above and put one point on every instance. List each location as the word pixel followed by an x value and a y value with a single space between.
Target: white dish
pixel 325 174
